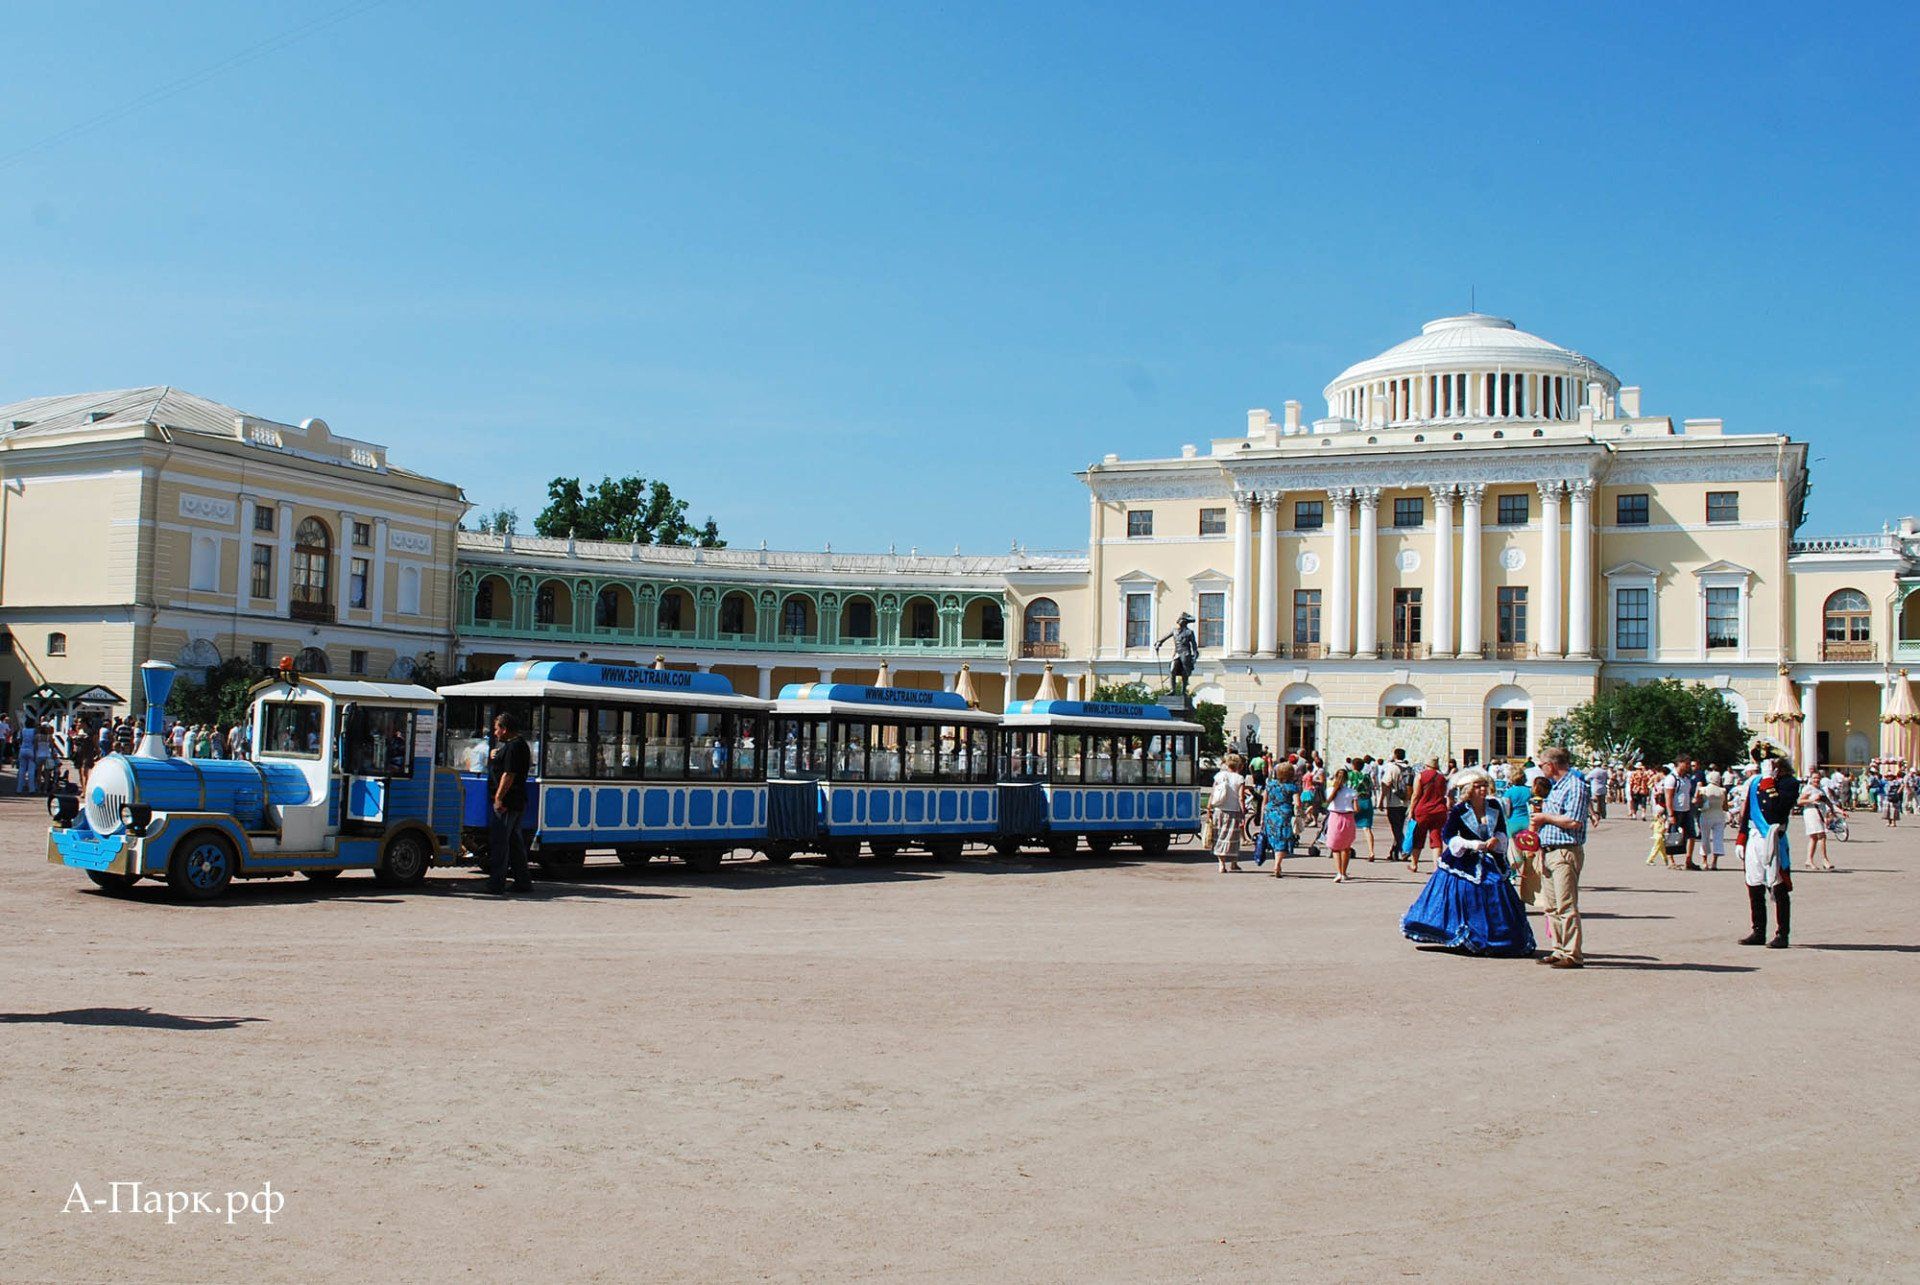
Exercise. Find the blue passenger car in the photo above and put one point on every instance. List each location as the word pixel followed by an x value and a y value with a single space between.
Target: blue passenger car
pixel 642 762
pixel 890 767
pixel 1108 771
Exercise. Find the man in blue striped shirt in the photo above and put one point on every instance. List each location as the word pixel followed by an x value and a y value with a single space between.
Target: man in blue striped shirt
pixel 1561 820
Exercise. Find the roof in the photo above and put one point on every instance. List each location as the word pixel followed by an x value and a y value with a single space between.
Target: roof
pixel 1476 340
pixel 1143 720
pixel 547 689
pixel 350 689
pixel 83 693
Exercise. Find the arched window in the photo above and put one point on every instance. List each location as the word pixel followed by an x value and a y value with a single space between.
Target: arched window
pixel 993 627
pixel 606 609
pixel 736 614
pixel 856 619
pixel 1509 711
pixel 795 618
pixel 543 605
pixel 1849 617
pixel 56 644
pixel 1043 621
pixel 483 600
pixel 923 619
pixel 312 564
pixel 311 660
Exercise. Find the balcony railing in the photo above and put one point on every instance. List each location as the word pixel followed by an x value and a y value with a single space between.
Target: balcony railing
pixel 314 612
pixel 1303 650
pixel 1515 651
pixel 548 633
pixel 1847 651
pixel 1404 651
pixel 1043 650
pixel 1907 649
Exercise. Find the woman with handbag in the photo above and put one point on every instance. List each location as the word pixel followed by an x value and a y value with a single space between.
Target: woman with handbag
pixel 1428 808
pixel 1227 806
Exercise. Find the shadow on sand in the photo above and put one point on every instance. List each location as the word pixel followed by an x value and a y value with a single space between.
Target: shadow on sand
pixel 144 1017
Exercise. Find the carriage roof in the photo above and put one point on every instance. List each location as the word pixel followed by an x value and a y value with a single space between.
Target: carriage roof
pixel 583 681
pixel 850 700
pixel 1105 716
pixel 343 690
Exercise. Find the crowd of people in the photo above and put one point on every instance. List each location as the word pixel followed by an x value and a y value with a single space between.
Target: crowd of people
pixel 1515 837
pixel 44 752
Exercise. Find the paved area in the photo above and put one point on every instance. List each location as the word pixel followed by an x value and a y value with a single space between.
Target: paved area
pixel 984 1070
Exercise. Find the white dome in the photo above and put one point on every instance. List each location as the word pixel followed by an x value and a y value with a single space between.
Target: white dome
pixel 1475 341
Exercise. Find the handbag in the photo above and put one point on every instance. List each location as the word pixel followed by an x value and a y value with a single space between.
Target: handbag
pixel 1676 840
pixel 1406 837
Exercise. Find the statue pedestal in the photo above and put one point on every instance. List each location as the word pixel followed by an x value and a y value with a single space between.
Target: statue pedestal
pixel 1181 706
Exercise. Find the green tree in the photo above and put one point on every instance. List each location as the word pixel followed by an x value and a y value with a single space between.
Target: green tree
pixel 1661 719
pixel 1127 694
pixel 221 698
pixel 501 521
pixel 1212 717
pixel 627 509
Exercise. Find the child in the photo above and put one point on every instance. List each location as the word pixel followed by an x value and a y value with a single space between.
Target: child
pixel 1659 851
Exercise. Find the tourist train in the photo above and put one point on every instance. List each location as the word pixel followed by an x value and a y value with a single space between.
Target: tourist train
pixel 643 763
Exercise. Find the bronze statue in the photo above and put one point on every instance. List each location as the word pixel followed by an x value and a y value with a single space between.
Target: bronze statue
pixel 1186 652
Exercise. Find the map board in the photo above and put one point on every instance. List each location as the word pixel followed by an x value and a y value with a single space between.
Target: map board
pixel 1421 738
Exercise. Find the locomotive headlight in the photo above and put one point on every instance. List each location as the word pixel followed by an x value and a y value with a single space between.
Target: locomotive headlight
pixel 136 817
pixel 63 808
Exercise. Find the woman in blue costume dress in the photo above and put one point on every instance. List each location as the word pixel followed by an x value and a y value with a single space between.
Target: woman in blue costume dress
pixel 1468 903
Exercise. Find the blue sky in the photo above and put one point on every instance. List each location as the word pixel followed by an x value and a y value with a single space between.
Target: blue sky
pixel 890 274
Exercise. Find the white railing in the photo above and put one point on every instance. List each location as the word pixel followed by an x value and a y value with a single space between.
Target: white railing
pixel 540 547
pixel 1878 542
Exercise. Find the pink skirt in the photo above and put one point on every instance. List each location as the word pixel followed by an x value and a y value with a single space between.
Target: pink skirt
pixel 1340 832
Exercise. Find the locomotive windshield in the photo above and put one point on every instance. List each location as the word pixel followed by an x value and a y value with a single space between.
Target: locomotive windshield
pixel 291 730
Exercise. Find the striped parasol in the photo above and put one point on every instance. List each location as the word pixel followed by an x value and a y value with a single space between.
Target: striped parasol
pixel 1049 686
pixel 1786 716
pixel 963 687
pixel 1900 724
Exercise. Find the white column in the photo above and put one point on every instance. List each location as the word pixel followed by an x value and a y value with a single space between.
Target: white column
pixel 766 682
pixel 1809 730
pixel 826 675
pixel 1440 619
pixel 378 590
pixel 1471 607
pixel 1580 573
pixel 1010 697
pixel 1340 617
pixel 283 571
pixel 1073 687
pixel 342 582
pixel 243 588
pixel 1270 573
pixel 1240 641
pixel 1550 568
pixel 1367 642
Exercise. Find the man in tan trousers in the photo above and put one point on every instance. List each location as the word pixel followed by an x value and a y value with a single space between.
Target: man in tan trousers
pixel 1561 820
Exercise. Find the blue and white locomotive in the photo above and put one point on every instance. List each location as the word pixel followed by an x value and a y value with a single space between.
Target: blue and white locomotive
pixel 341 776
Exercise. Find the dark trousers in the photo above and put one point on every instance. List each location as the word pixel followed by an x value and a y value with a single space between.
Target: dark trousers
pixel 506 841
pixel 1397 818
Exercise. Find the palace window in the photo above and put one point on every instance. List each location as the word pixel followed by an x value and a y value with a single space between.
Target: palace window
pixel 263 518
pixel 262 580
pixel 312 562
pixel 606 609
pixel 1303 729
pixel 483 600
pixel 357 584
pixel 362 535
pixel 922 620
pixel 1406 617
pixel 1848 617
pixel 1140 523
pixel 1509 733
pixel 545 603
pixel 356 662
pixel 1512 614
pixel 1723 617
pixel 1631 619
pixel 1139 619
pixel 993 625
pixel 669 614
pixel 1043 621
pixel 1409 511
pixel 257 655
pixel 793 617
pixel 1513 510
pixel 1723 506
pixel 860 619
pixel 1213 619
pixel 733 613
pixel 1213 521
pixel 56 644
pixel 1631 510
pixel 1306 617
pixel 1309 515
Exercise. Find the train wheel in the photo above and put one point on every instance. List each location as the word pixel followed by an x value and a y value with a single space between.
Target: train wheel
pixel 558 860
pixel 202 866
pixel 1006 846
pixel 1154 845
pixel 948 849
pixel 779 854
pixel 634 858
pixel 704 860
pixel 885 849
pixel 843 852
pixel 118 885
pixel 1101 844
pixel 321 876
pixel 404 863
pixel 1063 845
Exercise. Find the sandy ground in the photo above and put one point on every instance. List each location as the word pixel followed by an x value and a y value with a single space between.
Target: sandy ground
pixel 989 1070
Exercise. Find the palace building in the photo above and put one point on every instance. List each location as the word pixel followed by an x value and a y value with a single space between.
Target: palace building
pixel 1483 529
pixel 151 523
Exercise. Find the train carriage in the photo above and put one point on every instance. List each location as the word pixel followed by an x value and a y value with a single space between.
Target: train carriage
pixel 642 762
pixel 1109 772
pixel 890 767
pixel 340 776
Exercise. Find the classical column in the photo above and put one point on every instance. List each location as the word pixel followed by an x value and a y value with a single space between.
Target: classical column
pixel 1340 618
pixel 243 588
pixel 283 571
pixel 1440 619
pixel 1009 697
pixel 343 582
pixel 379 589
pixel 826 674
pixel 1550 567
pixel 1270 573
pixel 1471 608
pixel 766 682
pixel 1073 687
pixel 1240 639
pixel 1580 573
pixel 1810 729
pixel 1367 642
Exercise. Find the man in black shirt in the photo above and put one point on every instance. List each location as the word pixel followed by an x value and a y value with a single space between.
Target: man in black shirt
pixel 507 770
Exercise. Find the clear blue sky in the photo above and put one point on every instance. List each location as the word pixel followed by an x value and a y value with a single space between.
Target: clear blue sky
pixel 891 273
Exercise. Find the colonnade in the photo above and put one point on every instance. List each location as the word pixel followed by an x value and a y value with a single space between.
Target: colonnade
pixel 1350 624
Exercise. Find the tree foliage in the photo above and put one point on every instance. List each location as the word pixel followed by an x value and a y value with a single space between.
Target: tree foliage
pixel 502 521
pixel 627 509
pixel 1661 719
pixel 222 698
pixel 1127 694
pixel 1211 715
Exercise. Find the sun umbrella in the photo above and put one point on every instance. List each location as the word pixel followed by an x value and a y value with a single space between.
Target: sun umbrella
pixel 963 687
pixel 1049 688
pixel 1785 718
pixel 1898 725
pixel 883 678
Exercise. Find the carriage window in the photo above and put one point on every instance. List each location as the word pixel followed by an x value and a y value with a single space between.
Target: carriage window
pixel 1100 759
pixel 746 747
pixel 885 744
pixel 566 743
pixel 979 753
pixel 616 743
pixel 849 751
pixel 377 742
pixel 716 744
pixel 799 749
pixel 666 744
pixel 291 731
pixel 1183 761
pixel 924 744
pixel 1069 756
